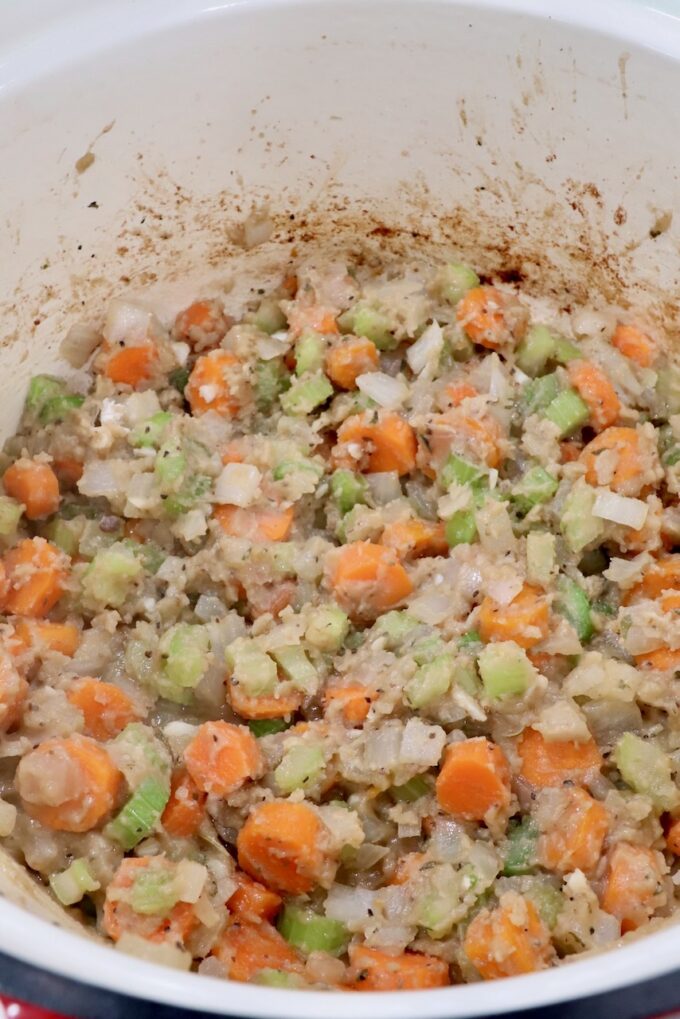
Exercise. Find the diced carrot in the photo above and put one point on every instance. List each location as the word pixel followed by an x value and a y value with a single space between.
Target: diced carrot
pixel 508 940
pixel 68 784
pixel 252 901
pixel 473 438
pixel 664 659
pixel 349 359
pixel 120 918
pixel 627 466
pixel 61 637
pixel 673 837
pixel 313 317
pixel 290 285
pixel 354 701
pixel 245 949
pixel 257 525
pixel 37 572
pixel 35 485
pixel 474 779
pixel 203 324
pixel 634 344
pixel 407 868
pixel 491 318
pixel 264 706
pixel 577 831
pixel 525 620
pixel 367 579
pixel 13 691
pixel 459 391
pixel 232 453
pixel 373 970
pixel 596 391
pixel 209 385
pixel 633 887
pixel 270 598
pixel 385 442
pixel 106 708
pixel 222 756
pixel 671 602
pixel 414 538
pixel 551 763
pixel 68 469
pixel 663 575
pixel 131 366
pixel 571 451
pixel 185 809
pixel 281 844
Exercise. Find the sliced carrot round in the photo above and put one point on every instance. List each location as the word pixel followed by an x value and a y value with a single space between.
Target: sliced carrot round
pixel 550 763
pixel 596 391
pixel 13 692
pixel 384 442
pixel 120 918
pixel 35 485
pixel 184 812
pixel 106 708
pixel 36 573
pixel 633 887
pixel 258 525
pixel 491 318
pixel 281 844
pixel 202 325
pixel 624 463
pixel 253 901
pixel 635 345
pixel 349 359
pixel 210 385
pixel 508 940
pixel 131 366
pixel 43 634
pixel 368 579
pixel 373 970
pixel 574 841
pixel 415 538
pixel 222 756
pixel 525 620
pixel 245 949
pixel 474 779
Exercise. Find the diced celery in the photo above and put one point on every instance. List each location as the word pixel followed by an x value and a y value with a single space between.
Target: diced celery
pixel 461 472
pixel 409 792
pixel 179 378
pixel 454 280
pixel 327 628
pixel 348 489
pixel 647 770
pixel 396 626
pixel 300 767
pixel 41 389
pixel 374 325
pixel 471 640
pixel 460 529
pixel 306 395
pixel 10 515
pixel 309 932
pixel 430 682
pixel 505 670
pixel 283 558
pixel 59 407
pixel 465 676
pixel 309 353
pixel 604 608
pixel 297 667
pixel 565 350
pixel 141 813
pixel 426 650
pixel 110 576
pixel 73 883
pixel 170 464
pixel 540 393
pixel 567 411
pixel 251 668
pixel 540 552
pixel 536 486
pixel 572 603
pixel 535 350
pixel 278 978
pixel 149 554
pixel 154 891
pixel 190 492
pixel 287 467
pixel 579 525
pixel 272 378
pixel 671 457
pixel 92 539
pixel 547 899
pixel 520 852
pixel 267 726
pixel 269 317
pixel 184 651
pixel 140 754
pixel 150 432
pixel 668 386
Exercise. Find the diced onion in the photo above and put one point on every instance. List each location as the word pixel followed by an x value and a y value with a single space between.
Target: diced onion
pixel 627 572
pixel 386 391
pixel 351 906
pixel 191 525
pixel 8 817
pixel 422 744
pixel 431 608
pixel 426 350
pixel 620 509
pixel 127 322
pixel 164 952
pixel 257 229
pixel 98 479
pixel 181 352
pixel 140 406
pixel 238 484
pixel 191 878
pixel 209 607
pixel 79 343
pixel 384 486
pixel 269 347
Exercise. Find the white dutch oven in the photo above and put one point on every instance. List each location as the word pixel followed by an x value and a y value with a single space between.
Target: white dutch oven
pixel 538 136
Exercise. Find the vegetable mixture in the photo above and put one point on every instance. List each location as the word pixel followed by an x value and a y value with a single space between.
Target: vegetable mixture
pixel 340 636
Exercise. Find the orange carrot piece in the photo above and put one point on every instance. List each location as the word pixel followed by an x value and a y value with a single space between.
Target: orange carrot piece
pixel 185 809
pixel 13 692
pixel 36 572
pixel 635 345
pixel 671 602
pixel 281 844
pixel 491 318
pixel 222 756
pixel 61 637
pixel 208 387
pixel 628 466
pixel 663 575
pixel 508 940
pixel 407 868
pixel 387 442
pixel 106 708
pixel 548 763
pixel 202 325
pixel 354 701
pixel 574 841
pixel 525 620
pixel 131 366
pixel 349 359
pixel 68 469
pixel 367 579
pixel 474 779
pixel 673 837
pixel 119 917
pixel 264 706
pixel 373 970
pixel 314 317
pixel 633 887
pixel 664 659
pixel 245 949
pixel 68 784
pixel 415 538
pixel 35 485
pixel 252 901
pixel 459 391
pixel 571 451
pixel 258 525
pixel 597 393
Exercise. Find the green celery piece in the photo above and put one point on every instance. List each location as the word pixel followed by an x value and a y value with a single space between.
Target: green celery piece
pixel 430 682
pixel 184 650
pixel 296 666
pixel 348 489
pixel 267 726
pixel 42 389
pixel 603 608
pixel 460 529
pixel 309 353
pixel 278 978
pixel 309 932
pixel 272 378
pixel 565 350
pixel 154 892
pixel 579 525
pixel 535 350
pixel 572 603
pixel 374 325
pixel 300 766
pixel 471 640
pixel 327 628
pixel 287 467
pixel 149 554
pixel 110 576
pixel 58 408
pixel 427 649
pixel 251 667
pixel 454 280
pixel 505 670
pixel 671 457
pixel 668 386
pixel 190 492
pixel 150 432
pixel 461 472
pixel 396 626
pixel 520 852
pixel 567 411
pixel 73 883
pixel 547 899
pixel 306 395
pixel 10 515
pixel 269 317
pixel 179 378
pixel 536 487
pixel 540 393
pixel 409 792
pixel 465 676
pixel 540 552
pixel 647 770
pixel 170 464
pixel 92 539
pixel 141 813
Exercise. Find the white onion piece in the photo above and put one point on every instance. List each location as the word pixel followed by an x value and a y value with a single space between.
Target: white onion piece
pixel 387 392
pixel 191 878
pixel 431 607
pixel 127 322
pixel 627 572
pixel 257 229
pixel 269 347
pixel 384 486
pixel 498 382
pixel 238 484
pixel 141 406
pixel 143 492
pixel 98 479
pixel 162 952
pixel 181 352
pixel 8 817
pixel 620 509
pixel 422 744
pixel 426 350
pixel 209 607
pixel 79 343
pixel 351 906
pixel 191 525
